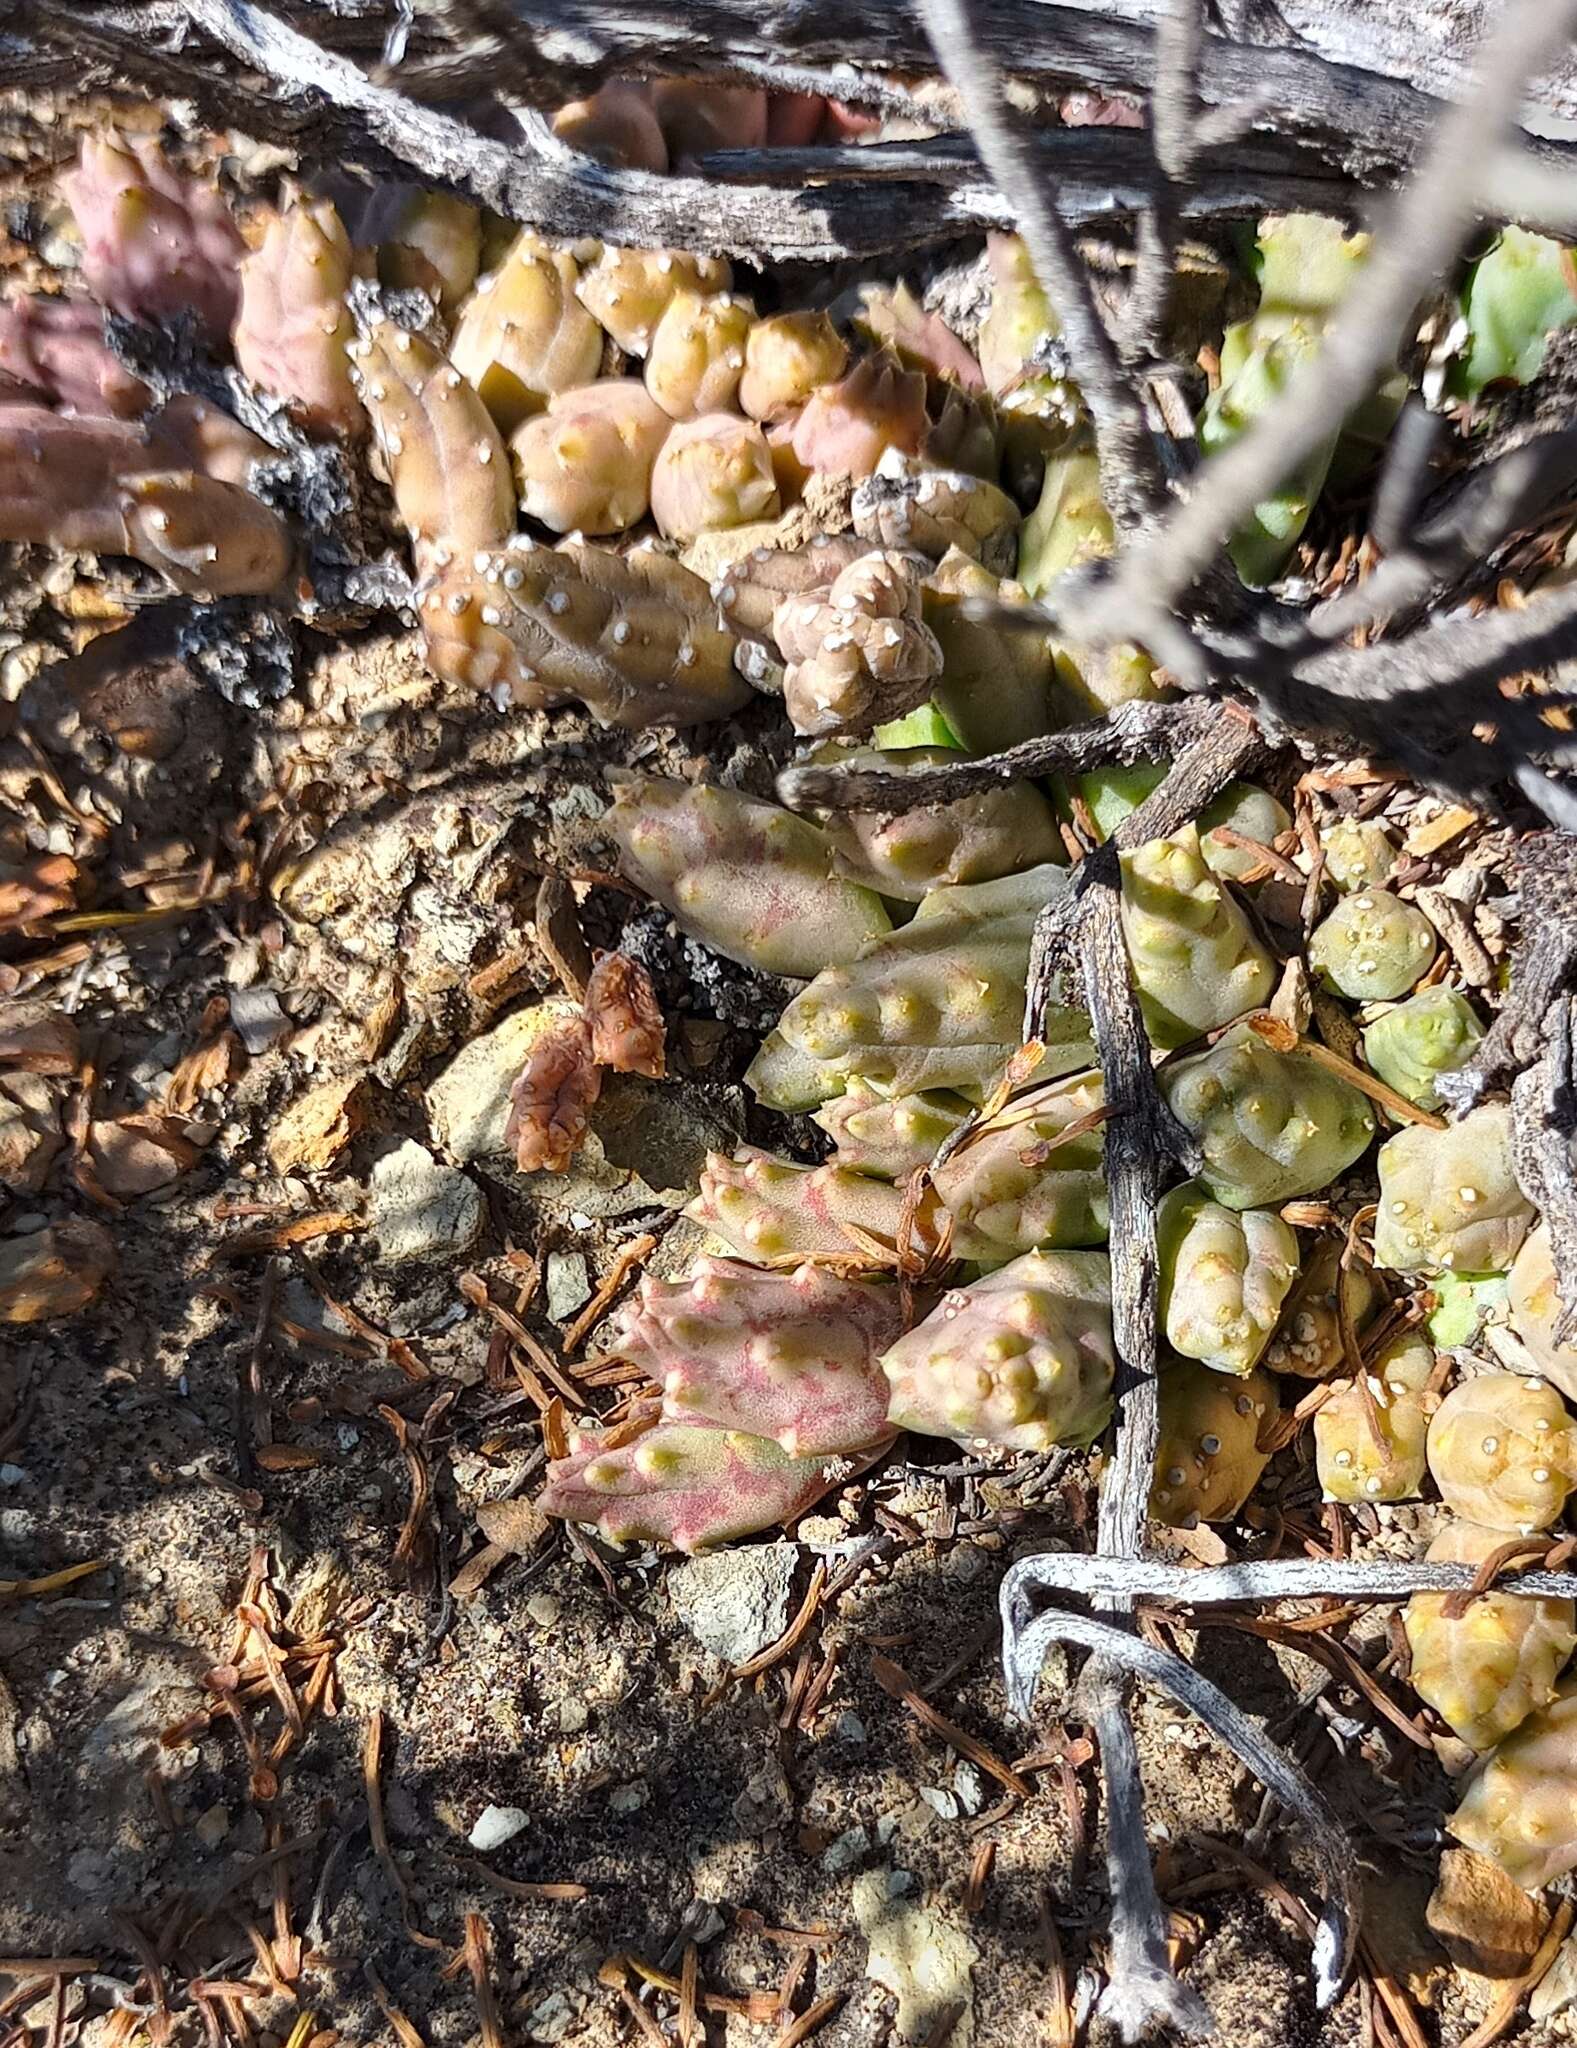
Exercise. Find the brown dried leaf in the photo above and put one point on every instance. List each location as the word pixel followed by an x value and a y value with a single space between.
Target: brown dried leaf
pixel 53 1272
pixel 208 1066
pixel 317 1126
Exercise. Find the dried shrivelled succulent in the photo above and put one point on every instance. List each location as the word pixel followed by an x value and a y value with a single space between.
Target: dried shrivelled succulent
pixel 155 243
pixel 1352 1465
pixel 906 504
pixel 1503 1452
pixel 1023 1359
pixel 1536 1308
pixel 1271 1125
pixel 786 358
pixel 713 473
pixel 1308 1340
pixel 629 290
pixel 1449 1200
pixel 778 1212
pixel 1224 1274
pixel 888 1135
pixel 1032 1181
pixel 1518 1810
pixel 995 688
pixel 691 1484
pixel 861 654
pixel 745 877
pixel 1486 1669
pixel 552 1098
pixel 585 465
pixel 523 335
pixel 426 241
pixel 1432 1033
pixel 52 346
pixel 1196 962
pixel 846 427
pixel 792 1356
pixel 698 115
pixel 697 353
pixel 625 1020
pixel 1207 1458
pixel 1372 947
pixel 617 125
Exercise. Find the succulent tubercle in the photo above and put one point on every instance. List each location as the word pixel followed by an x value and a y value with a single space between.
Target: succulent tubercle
pixel 696 356
pixel 1196 962
pixel 1534 1299
pixel 1034 1179
pixel 1433 1033
pixel 888 1136
pixel 552 1097
pixel 862 653
pixel 626 1023
pixel 585 465
pixel 711 473
pixel 1207 1459
pixel 845 428
pixel 1517 294
pixel 786 358
pixel 1308 1339
pixel 1374 1450
pixel 1373 946
pixel 1449 1199
pixel 1518 1810
pixel 1503 1452
pixel 777 1212
pixel 293 328
pixel 425 241
pixel 52 348
pixel 629 290
pixel 1224 1274
pixel 155 243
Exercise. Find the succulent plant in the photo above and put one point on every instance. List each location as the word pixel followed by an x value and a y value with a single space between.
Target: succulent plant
pixel 713 473
pixel 698 115
pixel 1112 794
pixel 751 880
pixel 777 1212
pixel 426 241
pixel 887 1135
pixel 634 636
pixel 52 348
pixel 1359 854
pixel 691 1484
pixel 1308 1339
pixel 792 1356
pixel 1271 1125
pixel 293 329
pixel 1207 1458
pixel 1372 947
pixel 750 588
pixel 696 356
pixel 523 335
pixel 977 839
pixel 1485 1670
pixel 907 504
pixel 995 688
pixel 1432 1033
pixel 1022 1359
pixel 892 315
pixel 624 1018
pixel 155 243
pixel 1517 1809
pixel 1449 1200
pixel 552 1098
pixel 628 290
pixel 1536 1307
pixel 1516 295
pixel 938 1004
pixel 1503 1452
pixel 786 358
pixel 1031 1181
pixel 1020 316
pixel 844 428
pixel 861 654
pixel 617 125
pixel 585 465
pixel 1224 1275
pixel 1352 1465
pixel 1196 962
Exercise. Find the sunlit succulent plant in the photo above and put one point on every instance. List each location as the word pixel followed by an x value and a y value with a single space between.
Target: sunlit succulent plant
pixel 1373 947
pixel 996 686
pixel 585 465
pixel 1410 1047
pixel 1034 1177
pixel 786 358
pixel 1503 1452
pixel 1373 1448
pixel 1196 962
pixel 1520 1810
pixel 777 1212
pixel 887 1135
pixel 1111 794
pixel 1536 1308
pixel 696 355
pixel 1359 854
pixel 1207 1459
pixel 1224 1274
pixel 1449 1200
pixel 629 290
pixel 425 241
pixel 712 473
pixel 1517 294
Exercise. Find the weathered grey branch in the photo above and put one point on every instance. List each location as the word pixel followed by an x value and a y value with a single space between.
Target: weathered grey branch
pixel 1083 1575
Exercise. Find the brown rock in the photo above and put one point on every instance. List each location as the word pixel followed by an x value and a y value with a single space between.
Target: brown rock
pixel 1484 1922
pixel 317 1126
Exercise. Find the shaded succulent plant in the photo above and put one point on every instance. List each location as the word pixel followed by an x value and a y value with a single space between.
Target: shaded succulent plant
pixel 862 653
pixel 1359 854
pixel 1196 962
pixel 1111 794
pixel 1224 1275
pixel 1449 1200
pixel 1518 1810
pixel 617 125
pixel 977 839
pixel 786 358
pixel 752 586
pixel 293 328
pixel 552 1098
pixel 585 465
pixel 938 1004
pixel 751 880
pixel 155 243
pixel 698 115
pixel 713 473
pixel 1308 1339
pixel 691 1484
pixel 844 428
pixel 625 1020
pixel 907 504
pixel 696 355
pixel 1271 1125
pixel 1517 294
pixel 1033 1179
pixel 1022 1359
pixel 425 241
pixel 1486 1669
pixel 1410 1047
pixel 792 1356
pixel 887 1135
pixel 892 315
pixel 1207 1458
pixel 52 348
pixel 1535 1304
pixel 996 687
pixel 1372 947
pixel 777 1212
pixel 523 335
pixel 1020 317
pixel 1352 1464
pixel 1503 1452
pixel 628 290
